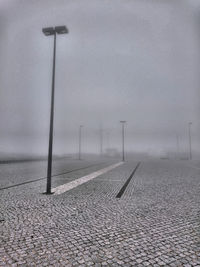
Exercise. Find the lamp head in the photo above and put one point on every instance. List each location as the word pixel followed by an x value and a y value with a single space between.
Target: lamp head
pixel 58 29
pixel 61 29
pixel 48 31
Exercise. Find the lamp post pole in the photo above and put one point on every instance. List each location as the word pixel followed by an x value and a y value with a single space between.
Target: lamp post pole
pixel 49 167
pixel 101 140
pixel 80 132
pixel 190 141
pixel 47 32
pixel 177 146
pixel 123 123
pixel 108 139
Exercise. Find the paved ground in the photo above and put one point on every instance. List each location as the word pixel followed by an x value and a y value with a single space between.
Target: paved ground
pixel 156 222
pixel 15 173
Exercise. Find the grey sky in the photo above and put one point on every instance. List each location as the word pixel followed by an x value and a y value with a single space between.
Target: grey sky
pixel 133 60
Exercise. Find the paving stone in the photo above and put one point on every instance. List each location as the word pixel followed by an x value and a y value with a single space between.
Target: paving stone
pixel 155 222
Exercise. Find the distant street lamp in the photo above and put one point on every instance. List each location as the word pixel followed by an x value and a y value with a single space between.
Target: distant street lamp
pixel 47 32
pixel 190 141
pixel 80 132
pixel 177 146
pixel 108 139
pixel 123 123
pixel 101 140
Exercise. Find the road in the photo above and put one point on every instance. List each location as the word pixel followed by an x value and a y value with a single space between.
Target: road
pixel 155 222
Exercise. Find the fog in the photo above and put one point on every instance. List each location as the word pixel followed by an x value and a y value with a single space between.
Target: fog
pixel 136 60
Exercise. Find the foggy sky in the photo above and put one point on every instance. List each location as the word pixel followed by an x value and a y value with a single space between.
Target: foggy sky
pixel 128 60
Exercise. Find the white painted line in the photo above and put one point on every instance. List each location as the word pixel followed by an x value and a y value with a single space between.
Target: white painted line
pixel 66 187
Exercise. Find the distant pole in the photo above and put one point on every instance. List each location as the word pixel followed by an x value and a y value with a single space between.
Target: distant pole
pixel 123 123
pixel 108 139
pixel 101 140
pixel 190 140
pixel 48 32
pixel 80 139
pixel 177 146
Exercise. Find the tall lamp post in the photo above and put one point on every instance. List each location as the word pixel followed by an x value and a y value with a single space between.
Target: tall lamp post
pixel 177 146
pixel 108 139
pixel 123 123
pixel 190 141
pixel 47 32
pixel 101 140
pixel 80 132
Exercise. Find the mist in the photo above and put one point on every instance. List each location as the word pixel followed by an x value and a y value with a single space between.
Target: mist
pixel 127 60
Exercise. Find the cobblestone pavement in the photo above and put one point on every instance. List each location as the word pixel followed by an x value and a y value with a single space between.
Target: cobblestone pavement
pixel 14 173
pixel 155 223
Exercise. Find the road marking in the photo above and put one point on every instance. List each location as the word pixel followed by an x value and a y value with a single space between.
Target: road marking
pixel 121 192
pixel 66 187
pixel 42 178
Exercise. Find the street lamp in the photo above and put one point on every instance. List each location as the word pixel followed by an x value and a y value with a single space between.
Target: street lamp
pixel 190 141
pixel 80 132
pixel 101 140
pixel 123 123
pixel 177 146
pixel 108 139
pixel 47 32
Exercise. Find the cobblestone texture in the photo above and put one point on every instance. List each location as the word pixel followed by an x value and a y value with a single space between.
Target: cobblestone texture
pixel 155 223
pixel 11 174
